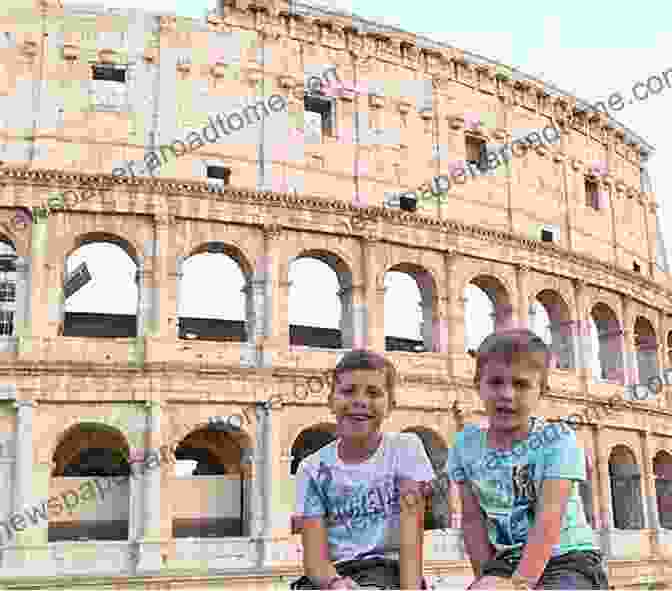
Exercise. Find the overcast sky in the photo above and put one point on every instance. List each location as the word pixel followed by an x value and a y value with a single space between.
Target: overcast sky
pixel 588 49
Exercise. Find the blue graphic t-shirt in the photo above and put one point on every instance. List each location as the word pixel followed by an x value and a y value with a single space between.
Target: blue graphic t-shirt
pixel 507 484
pixel 360 502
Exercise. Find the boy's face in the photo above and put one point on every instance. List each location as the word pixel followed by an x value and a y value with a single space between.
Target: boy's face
pixel 360 402
pixel 510 392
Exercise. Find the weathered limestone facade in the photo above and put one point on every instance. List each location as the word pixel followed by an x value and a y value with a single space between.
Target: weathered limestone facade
pixel 60 133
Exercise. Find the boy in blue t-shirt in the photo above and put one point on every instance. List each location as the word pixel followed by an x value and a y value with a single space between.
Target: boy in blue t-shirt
pixel 523 520
pixel 359 499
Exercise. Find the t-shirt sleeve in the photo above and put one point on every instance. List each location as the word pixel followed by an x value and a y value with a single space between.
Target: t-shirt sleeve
pixel 564 459
pixel 454 467
pixel 309 503
pixel 413 461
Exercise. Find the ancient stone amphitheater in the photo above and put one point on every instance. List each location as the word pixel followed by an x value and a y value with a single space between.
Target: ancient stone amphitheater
pixel 567 230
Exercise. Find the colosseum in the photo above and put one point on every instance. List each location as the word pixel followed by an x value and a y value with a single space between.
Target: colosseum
pixel 344 118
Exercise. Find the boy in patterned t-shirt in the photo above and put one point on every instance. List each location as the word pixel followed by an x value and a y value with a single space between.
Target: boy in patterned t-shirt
pixel 523 520
pixel 359 499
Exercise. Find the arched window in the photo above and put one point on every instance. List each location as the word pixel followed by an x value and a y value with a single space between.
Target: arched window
pixel 86 457
pixel 212 469
pixel 626 489
pixel 662 470
pixel 409 310
pixel 309 441
pixel 646 347
pixel 437 511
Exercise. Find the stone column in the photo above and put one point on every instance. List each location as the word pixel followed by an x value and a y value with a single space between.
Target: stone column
pixel 22 314
pixel 262 487
pixel 602 469
pixel 178 278
pixel 150 543
pixel 255 314
pixel 455 302
pixel 347 319
pixel 17 557
pixel 360 318
pixel 164 295
pixel 649 482
pixel 582 348
pixel 375 295
pixel 40 323
pixel 441 326
pixel 144 324
pixel 277 296
pixel 627 342
pixel 522 280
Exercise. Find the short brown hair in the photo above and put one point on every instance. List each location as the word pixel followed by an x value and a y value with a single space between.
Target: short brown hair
pixel 505 345
pixel 365 359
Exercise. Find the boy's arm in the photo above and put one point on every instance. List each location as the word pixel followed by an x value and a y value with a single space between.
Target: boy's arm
pixel 546 530
pixel 316 563
pixel 475 534
pixel 411 533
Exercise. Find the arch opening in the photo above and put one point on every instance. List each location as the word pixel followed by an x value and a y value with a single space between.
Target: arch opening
pixel 85 461
pixel 626 489
pixel 213 471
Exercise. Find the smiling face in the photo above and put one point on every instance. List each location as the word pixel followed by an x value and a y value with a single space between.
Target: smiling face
pixel 361 402
pixel 510 392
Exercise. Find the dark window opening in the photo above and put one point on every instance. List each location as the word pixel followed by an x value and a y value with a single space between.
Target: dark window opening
pixel 475 149
pixel 324 108
pixel 408 203
pixel 109 73
pixel 636 268
pixel 592 194
pixel 220 173
pixel 546 236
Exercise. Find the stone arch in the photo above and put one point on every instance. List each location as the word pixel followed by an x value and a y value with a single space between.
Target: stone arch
pixel 610 338
pixel 81 435
pixel 499 300
pixel 646 350
pixel 83 321
pixel 88 454
pixel 662 471
pixel 326 336
pixel 309 440
pixel 428 286
pixel 321 418
pixel 560 325
pixel 223 454
pixel 227 248
pixel 626 489
pixel 438 509
pixel 128 245
pixel 230 317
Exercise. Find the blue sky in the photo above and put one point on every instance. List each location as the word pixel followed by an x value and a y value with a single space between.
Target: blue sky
pixel 588 49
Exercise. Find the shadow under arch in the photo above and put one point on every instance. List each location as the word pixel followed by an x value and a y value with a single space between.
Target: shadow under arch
pixel 310 440
pixel 218 483
pixel 85 458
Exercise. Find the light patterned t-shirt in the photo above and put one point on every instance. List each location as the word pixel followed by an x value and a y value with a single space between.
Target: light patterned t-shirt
pixel 507 484
pixel 360 502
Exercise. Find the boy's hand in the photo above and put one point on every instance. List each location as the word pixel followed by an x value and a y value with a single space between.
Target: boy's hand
pixel 488 583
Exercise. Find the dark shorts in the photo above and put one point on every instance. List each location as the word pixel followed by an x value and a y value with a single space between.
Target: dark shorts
pixel 372 573
pixel 574 570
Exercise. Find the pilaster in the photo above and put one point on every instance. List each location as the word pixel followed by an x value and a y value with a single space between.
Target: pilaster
pixel 150 543
pixel 18 555
pixel 167 281
pixel 277 296
pixel 375 295
pixel 522 281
